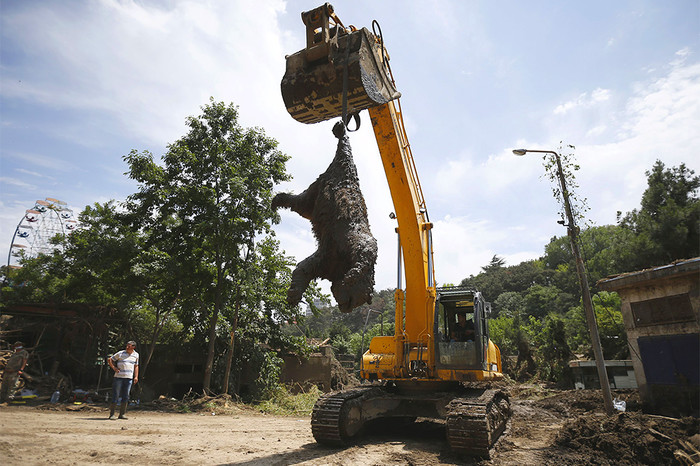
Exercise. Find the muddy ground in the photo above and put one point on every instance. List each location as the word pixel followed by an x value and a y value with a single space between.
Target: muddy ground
pixel 547 427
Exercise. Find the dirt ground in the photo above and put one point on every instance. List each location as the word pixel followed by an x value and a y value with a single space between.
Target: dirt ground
pixel 562 428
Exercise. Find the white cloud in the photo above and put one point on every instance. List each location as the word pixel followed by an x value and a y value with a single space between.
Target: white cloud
pixel 184 55
pixel 683 54
pixel 583 100
pixel 463 245
pixel 33 173
pixel 659 121
pixel 41 164
pixel 17 183
pixel 600 95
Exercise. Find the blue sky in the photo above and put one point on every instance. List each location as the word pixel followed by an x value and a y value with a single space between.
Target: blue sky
pixel 84 82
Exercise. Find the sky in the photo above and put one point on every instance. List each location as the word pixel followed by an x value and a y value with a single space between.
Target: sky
pixel 82 83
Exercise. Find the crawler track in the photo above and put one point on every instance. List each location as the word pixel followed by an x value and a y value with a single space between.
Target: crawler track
pixel 329 417
pixel 474 424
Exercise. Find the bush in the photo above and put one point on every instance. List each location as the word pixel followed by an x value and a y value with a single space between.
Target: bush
pixel 268 381
pixel 282 402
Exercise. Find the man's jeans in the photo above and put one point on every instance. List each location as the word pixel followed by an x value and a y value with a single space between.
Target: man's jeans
pixel 120 390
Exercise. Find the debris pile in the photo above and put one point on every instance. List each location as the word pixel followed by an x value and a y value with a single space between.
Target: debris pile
pixel 340 377
pixel 220 404
pixel 4 356
pixel 39 386
pixel 631 438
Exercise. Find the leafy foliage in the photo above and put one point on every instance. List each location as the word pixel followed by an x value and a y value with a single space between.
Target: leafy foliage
pixel 667 226
pixel 282 402
pixel 204 208
pixel 553 351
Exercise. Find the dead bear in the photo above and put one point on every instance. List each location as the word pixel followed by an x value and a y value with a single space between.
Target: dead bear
pixel 347 251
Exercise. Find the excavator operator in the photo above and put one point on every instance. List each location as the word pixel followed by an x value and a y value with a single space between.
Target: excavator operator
pixel 463 329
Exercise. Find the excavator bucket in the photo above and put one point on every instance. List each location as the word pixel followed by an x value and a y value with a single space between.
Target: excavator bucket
pixel 336 62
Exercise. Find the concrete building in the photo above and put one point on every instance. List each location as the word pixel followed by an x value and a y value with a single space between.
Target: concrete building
pixel 660 308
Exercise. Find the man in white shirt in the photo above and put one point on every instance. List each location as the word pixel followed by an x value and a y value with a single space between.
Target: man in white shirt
pixel 125 365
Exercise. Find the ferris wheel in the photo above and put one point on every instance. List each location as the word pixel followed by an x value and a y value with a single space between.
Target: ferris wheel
pixel 41 223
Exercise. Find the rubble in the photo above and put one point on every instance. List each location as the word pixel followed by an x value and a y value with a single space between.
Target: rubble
pixel 629 438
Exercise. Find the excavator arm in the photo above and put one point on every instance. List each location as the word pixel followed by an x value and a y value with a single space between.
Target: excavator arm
pixel 415 239
pixel 341 72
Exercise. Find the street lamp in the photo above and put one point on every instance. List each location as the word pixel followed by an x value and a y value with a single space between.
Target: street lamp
pixel 573 231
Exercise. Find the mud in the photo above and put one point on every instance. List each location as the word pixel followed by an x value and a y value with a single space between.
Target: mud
pixel 626 438
pixel 571 403
pixel 347 251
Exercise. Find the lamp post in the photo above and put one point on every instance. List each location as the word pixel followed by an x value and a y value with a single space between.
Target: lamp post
pixel 573 232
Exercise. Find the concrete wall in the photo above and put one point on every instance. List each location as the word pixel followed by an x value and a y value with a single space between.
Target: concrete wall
pixel 316 369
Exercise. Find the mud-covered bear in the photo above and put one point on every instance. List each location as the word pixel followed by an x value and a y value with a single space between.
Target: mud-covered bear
pixel 347 251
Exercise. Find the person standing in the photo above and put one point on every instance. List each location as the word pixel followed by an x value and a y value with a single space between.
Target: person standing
pixel 125 364
pixel 13 369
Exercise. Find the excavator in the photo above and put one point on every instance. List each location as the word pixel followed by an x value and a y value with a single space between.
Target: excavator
pixel 440 362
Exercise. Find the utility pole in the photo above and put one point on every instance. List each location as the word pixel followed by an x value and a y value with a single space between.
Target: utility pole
pixel 573 232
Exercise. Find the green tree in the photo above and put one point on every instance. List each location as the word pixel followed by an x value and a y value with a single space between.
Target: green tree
pixel 610 325
pixel 496 279
pixel 605 249
pixel 112 266
pixel 101 255
pixel 542 300
pixel 553 352
pixel 495 264
pixel 204 207
pixel 95 267
pixel 490 281
pixel 504 332
pixel 613 337
pixel 159 299
pixel 509 304
pixel 667 226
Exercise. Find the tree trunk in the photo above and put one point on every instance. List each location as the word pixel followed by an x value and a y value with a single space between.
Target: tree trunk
pixel 210 350
pixel 154 337
pixel 234 326
pixel 206 384
pixel 229 359
pixel 161 317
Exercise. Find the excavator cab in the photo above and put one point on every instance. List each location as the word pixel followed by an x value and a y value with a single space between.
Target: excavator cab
pixel 340 72
pixel 461 329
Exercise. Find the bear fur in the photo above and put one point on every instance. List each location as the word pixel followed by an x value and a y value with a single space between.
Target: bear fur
pixel 347 251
